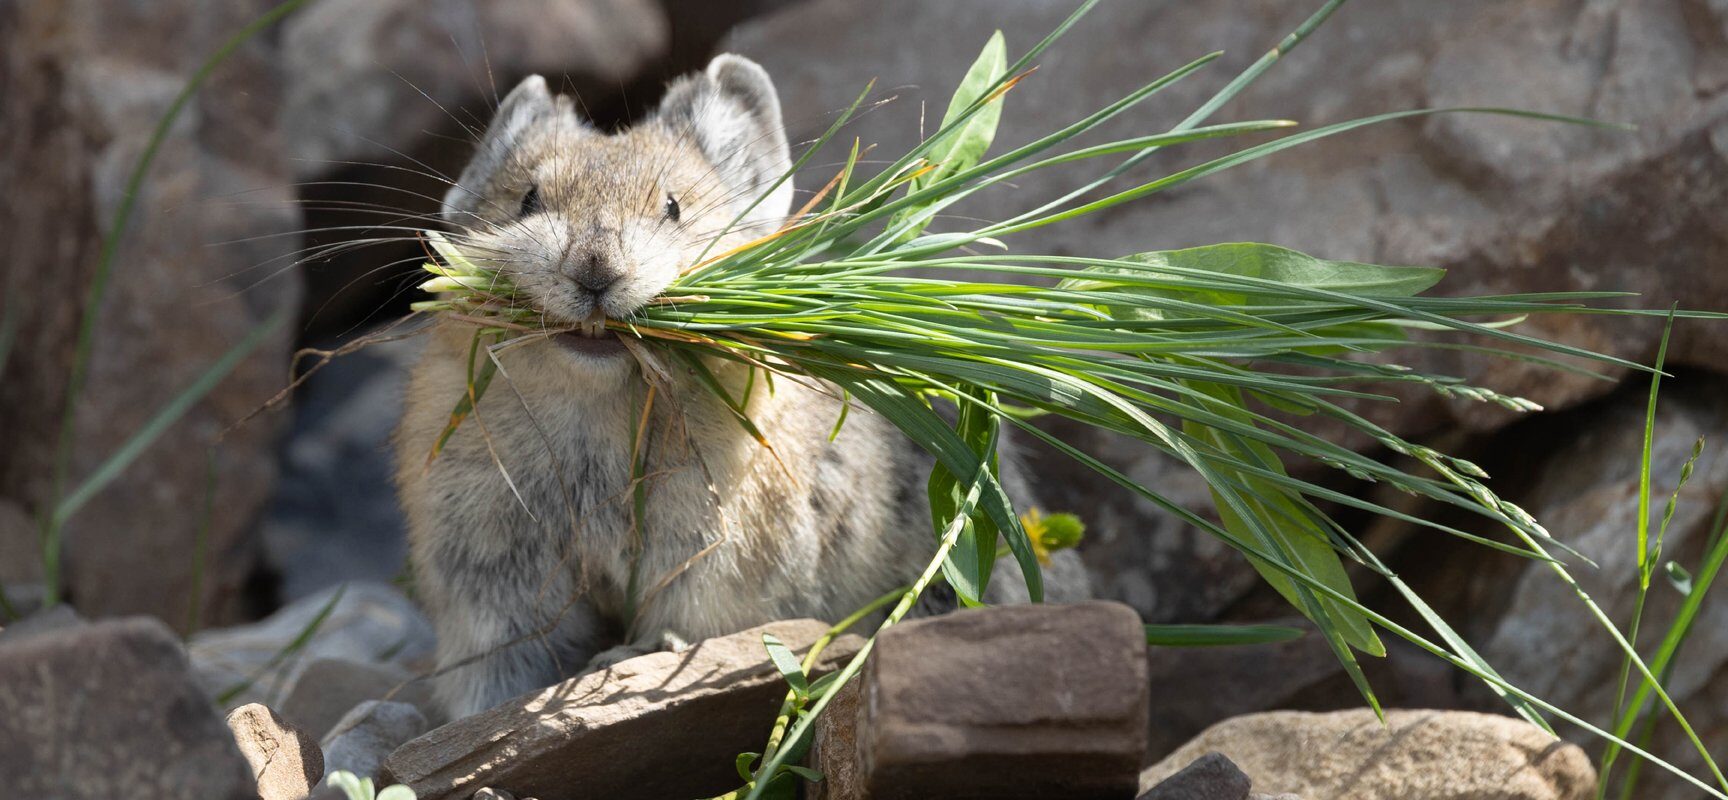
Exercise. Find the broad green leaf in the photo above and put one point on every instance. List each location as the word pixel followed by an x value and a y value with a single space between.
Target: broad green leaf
pixel 397 792
pixel 1252 260
pixel 1218 635
pixel 961 148
pixel 962 139
pixel 969 563
pixel 1287 518
pixel 786 663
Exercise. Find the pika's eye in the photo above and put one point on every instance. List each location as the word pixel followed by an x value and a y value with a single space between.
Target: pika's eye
pixel 530 201
pixel 671 209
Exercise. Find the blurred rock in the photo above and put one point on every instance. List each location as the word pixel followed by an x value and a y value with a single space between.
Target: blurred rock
pixel 58 618
pixel 20 554
pixel 1014 701
pixel 584 737
pixel 368 79
pixel 372 622
pixel 110 710
pixel 328 688
pixel 361 739
pixel 85 83
pixel 285 759
pixel 1209 777
pixel 1585 490
pixel 1416 755
pixel 1193 688
pixel 334 516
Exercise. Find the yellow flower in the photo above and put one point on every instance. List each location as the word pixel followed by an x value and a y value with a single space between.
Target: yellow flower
pixel 1048 533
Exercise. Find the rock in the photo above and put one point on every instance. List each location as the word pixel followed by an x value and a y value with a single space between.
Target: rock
pixel 834 748
pixel 285 759
pixel 1585 488
pixel 1416 755
pixel 372 622
pixel 110 710
pixel 58 618
pixel 20 555
pixel 1014 701
pixel 328 688
pixel 86 84
pixel 1303 674
pixel 584 737
pixel 361 739
pixel 369 79
pixel 1209 777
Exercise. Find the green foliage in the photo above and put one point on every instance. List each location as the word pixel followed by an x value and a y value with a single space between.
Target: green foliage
pixel 358 788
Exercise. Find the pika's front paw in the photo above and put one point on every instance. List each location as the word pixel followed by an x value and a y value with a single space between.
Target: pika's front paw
pixel 667 641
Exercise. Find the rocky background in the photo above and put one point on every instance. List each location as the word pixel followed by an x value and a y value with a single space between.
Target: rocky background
pixel 342 117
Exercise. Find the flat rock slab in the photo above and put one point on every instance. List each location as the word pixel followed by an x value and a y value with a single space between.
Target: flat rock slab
pixel 1035 701
pixel 109 710
pixel 659 725
pixel 1416 755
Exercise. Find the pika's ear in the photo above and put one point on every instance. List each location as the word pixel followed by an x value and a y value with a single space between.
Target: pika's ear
pixel 733 113
pixel 528 106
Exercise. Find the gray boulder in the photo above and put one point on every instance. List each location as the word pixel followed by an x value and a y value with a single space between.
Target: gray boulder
pixel 110 710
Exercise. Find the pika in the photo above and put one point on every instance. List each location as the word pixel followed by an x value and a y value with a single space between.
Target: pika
pixel 529 549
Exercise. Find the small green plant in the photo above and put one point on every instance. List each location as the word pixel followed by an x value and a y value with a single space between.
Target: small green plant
pixel 358 788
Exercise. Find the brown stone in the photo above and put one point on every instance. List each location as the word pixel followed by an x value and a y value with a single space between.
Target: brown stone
pixel 1014 701
pixel 1415 755
pixel 834 748
pixel 659 725
pixel 285 760
pixel 110 710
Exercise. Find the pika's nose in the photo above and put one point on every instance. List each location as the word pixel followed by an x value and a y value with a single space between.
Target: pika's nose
pixel 597 272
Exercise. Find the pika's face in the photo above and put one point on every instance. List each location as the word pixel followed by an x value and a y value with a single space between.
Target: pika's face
pixel 592 226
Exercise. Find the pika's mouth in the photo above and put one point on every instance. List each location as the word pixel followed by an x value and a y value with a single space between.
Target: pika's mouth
pixel 591 338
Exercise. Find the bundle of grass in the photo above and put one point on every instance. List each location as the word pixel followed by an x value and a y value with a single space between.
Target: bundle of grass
pixel 1201 353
